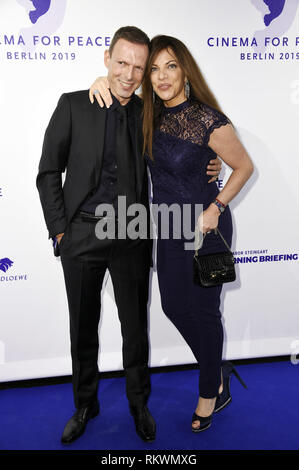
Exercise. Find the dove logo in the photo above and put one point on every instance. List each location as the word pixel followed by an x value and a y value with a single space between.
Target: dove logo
pixel 44 18
pixel 44 13
pixel 278 16
pixel 275 9
pixel 5 264
pixel 41 8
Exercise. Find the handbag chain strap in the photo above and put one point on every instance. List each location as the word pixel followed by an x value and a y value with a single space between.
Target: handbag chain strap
pixel 223 239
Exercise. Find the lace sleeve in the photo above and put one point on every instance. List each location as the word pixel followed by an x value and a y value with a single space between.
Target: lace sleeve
pixel 212 120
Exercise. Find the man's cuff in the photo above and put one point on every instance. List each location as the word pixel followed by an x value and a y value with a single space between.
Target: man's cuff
pixel 58 227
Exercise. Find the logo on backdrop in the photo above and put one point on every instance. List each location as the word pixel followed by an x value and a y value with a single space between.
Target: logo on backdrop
pixel 42 15
pixel 262 256
pixel 41 8
pixel 271 42
pixel 5 265
pixel 37 39
pixel 275 7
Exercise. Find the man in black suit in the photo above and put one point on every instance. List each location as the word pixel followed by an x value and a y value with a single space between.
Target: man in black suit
pixel 101 151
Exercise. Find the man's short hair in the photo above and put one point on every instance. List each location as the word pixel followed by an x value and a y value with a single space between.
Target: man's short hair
pixel 131 34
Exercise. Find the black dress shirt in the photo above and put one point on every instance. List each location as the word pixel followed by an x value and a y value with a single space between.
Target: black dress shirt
pixel 107 190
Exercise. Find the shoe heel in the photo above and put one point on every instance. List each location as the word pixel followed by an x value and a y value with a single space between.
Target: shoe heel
pixel 224 398
pixel 95 412
pixel 238 377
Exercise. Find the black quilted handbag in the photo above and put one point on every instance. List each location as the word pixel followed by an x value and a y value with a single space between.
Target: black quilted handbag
pixel 215 268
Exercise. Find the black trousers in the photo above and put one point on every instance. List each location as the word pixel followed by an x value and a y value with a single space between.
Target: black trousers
pixel 85 260
pixel 194 310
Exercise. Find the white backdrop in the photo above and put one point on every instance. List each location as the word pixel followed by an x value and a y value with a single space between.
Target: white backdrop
pixel 60 48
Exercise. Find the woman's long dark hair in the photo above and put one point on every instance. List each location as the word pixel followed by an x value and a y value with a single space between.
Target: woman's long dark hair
pixel 199 89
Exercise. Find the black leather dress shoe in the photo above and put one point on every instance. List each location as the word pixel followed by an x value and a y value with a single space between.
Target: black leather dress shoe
pixel 144 423
pixel 75 427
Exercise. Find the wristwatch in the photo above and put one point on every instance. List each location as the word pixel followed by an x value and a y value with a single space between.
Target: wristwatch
pixel 220 205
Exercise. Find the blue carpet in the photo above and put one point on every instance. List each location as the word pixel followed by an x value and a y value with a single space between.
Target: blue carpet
pixel 265 416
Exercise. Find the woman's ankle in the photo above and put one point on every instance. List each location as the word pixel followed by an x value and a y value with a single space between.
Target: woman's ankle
pixel 205 406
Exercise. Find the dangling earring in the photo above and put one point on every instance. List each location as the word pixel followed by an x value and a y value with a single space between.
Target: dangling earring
pixel 187 89
pixel 154 96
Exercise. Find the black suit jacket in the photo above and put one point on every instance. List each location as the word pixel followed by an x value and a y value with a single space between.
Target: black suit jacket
pixel 74 142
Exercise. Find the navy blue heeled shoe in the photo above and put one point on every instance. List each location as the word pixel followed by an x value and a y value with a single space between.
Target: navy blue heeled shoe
pixel 224 398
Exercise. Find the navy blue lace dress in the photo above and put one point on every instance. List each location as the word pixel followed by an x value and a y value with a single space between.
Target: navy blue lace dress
pixel 178 172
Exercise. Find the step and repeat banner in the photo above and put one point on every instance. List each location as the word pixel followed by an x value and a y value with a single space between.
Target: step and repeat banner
pixel 248 52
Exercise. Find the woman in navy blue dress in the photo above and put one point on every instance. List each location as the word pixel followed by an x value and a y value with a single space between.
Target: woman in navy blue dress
pixel 184 129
